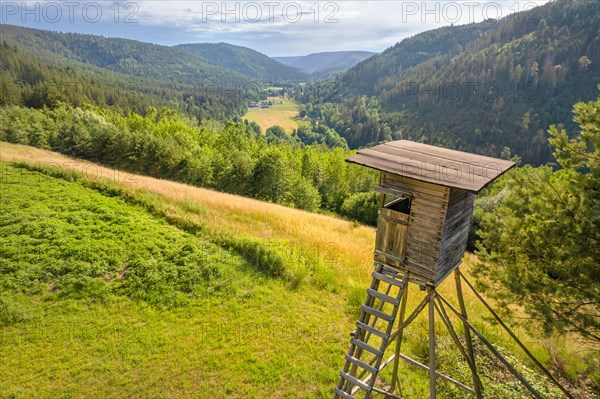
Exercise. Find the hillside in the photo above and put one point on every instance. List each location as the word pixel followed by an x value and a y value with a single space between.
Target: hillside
pixel 150 314
pixel 489 87
pixel 129 57
pixel 39 68
pixel 181 221
pixel 187 293
pixel 245 61
pixel 325 63
pixel 366 77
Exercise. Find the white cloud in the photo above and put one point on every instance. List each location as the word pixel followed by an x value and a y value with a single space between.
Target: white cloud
pixel 284 27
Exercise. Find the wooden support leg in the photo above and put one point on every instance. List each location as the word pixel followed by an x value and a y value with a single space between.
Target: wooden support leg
pixel 513 336
pixel 492 349
pixel 448 322
pixel 410 318
pixel 469 342
pixel 432 387
pixel 395 377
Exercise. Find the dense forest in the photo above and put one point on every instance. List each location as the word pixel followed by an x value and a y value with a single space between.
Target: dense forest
pixel 34 82
pixel 492 87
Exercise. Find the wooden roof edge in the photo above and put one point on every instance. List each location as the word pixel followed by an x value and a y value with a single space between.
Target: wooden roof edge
pixel 438 182
pixel 499 175
pixel 397 144
pixel 448 152
pixel 414 178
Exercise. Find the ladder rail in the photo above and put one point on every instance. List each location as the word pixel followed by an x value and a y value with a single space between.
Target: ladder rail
pixel 351 380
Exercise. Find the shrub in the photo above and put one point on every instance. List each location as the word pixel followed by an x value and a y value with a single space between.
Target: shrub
pixel 362 207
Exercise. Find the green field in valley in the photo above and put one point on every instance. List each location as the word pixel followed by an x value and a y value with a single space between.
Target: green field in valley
pixel 283 112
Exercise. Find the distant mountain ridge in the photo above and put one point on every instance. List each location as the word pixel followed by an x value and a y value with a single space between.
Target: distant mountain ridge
pixel 130 57
pixel 186 64
pixel 39 68
pixel 326 62
pixel 193 63
pixel 244 60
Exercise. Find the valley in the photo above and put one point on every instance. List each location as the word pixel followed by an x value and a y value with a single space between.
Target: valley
pixel 283 112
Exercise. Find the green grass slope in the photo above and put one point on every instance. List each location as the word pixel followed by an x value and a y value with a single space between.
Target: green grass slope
pixel 101 298
pixel 119 285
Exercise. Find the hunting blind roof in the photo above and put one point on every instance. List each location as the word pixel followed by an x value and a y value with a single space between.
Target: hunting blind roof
pixel 433 164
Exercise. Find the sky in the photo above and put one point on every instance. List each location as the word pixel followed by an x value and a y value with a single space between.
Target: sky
pixel 276 28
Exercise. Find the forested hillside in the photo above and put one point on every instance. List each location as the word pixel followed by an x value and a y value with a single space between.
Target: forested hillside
pixel 130 57
pixel 34 82
pixel 492 87
pixel 244 60
pixel 39 67
pixel 365 77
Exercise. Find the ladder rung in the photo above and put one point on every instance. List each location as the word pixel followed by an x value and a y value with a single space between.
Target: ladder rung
pixel 383 297
pixel 387 279
pixel 355 381
pixel 387 394
pixel 343 394
pixel 377 313
pixel 362 364
pixel 372 330
pixel 366 346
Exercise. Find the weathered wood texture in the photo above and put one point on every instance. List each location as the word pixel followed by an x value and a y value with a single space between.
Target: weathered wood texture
pixel 425 230
pixel 434 241
pixel 441 185
pixel 433 164
pixel 456 232
pixel 392 228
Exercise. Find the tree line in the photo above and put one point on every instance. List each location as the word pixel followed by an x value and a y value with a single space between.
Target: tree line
pixel 231 157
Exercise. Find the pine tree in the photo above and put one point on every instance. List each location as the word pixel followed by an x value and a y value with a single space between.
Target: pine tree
pixel 542 246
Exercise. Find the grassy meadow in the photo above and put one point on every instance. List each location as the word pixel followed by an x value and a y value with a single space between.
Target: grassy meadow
pixel 118 285
pixel 284 115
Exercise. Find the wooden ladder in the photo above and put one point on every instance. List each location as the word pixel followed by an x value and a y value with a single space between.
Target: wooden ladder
pixel 371 337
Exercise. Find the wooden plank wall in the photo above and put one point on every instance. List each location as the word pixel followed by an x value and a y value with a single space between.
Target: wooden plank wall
pixel 426 225
pixel 456 231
